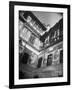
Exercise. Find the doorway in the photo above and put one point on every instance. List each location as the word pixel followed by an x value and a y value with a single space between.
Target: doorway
pixel 25 58
pixel 49 59
pixel 61 56
pixel 39 62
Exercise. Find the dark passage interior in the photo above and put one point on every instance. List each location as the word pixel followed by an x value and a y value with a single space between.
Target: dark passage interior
pixel 39 62
pixel 25 58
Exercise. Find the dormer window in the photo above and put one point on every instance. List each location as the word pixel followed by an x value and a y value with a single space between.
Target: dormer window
pixel 29 19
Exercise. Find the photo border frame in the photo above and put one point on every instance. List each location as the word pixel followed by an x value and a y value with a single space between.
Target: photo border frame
pixel 11 43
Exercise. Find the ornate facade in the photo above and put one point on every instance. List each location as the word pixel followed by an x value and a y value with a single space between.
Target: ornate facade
pixel 40 50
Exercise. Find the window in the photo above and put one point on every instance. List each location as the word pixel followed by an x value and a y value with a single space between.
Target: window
pixel 37 43
pixel 32 38
pixel 56 57
pixel 25 34
pixel 29 19
pixel 20 25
